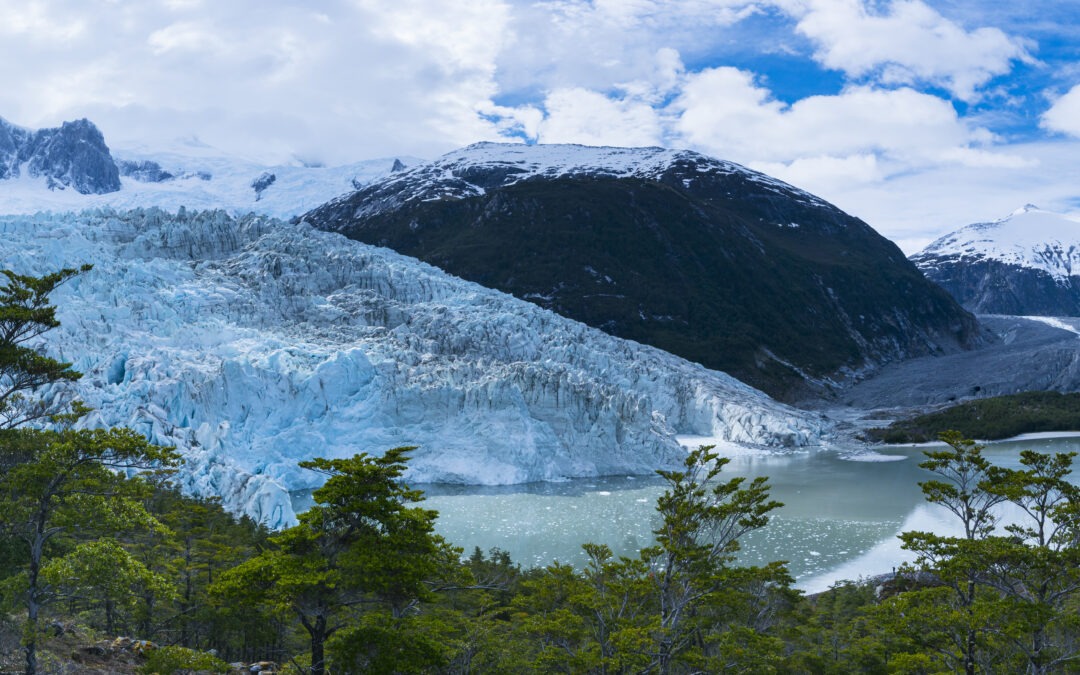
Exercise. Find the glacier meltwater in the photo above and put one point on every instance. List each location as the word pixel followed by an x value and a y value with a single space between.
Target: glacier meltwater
pixel 251 343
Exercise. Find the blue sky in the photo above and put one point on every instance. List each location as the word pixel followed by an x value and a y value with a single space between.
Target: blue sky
pixel 918 116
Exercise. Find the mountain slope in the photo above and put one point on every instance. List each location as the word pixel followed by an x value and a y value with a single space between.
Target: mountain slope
pixel 703 258
pixel 251 344
pixel 71 155
pixel 1025 264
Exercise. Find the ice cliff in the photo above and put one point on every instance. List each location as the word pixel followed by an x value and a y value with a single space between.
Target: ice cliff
pixel 250 344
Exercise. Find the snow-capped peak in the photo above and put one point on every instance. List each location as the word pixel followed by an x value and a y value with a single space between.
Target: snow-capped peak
pixel 522 162
pixel 1024 209
pixel 1028 237
pixel 187 173
pixel 473 170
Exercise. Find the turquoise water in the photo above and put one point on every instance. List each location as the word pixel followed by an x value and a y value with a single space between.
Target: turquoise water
pixel 841 513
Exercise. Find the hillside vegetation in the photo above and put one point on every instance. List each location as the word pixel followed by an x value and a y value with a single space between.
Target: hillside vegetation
pixel 714 264
pixel 990 418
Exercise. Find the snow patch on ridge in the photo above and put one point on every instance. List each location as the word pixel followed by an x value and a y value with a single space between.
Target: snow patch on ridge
pixel 472 170
pixel 251 344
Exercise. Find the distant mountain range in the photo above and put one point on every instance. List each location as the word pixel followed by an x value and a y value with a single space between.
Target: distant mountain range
pixel 71 168
pixel 703 258
pixel 1025 264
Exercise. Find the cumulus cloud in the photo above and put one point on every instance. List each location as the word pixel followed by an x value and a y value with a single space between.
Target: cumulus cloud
pixel 338 82
pixel 1064 115
pixel 342 80
pixel 590 118
pixel 609 45
pixel 724 111
pixel 908 43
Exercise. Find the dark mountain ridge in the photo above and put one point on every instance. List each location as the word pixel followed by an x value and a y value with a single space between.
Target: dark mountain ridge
pixel 71 155
pixel 703 258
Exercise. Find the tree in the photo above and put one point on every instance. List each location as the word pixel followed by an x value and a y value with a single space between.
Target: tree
pixel 1037 568
pixel 65 480
pixel 682 605
pixel 965 488
pixel 1004 595
pixel 361 546
pixel 53 481
pixel 25 314
pixel 105 572
pixel 703 519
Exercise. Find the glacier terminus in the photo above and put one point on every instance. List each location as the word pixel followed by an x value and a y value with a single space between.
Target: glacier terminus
pixel 251 343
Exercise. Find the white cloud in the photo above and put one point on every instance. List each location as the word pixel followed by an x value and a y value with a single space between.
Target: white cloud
pixel 341 80
pixel 607 45
pixel 909 43
pixel 725 112
pixel 1064 115
pixel 185 36
pixel 590 118
pixel 38 20
pixel 354 79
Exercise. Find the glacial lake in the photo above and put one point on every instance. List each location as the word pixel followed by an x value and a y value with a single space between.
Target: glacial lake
pixel 842 510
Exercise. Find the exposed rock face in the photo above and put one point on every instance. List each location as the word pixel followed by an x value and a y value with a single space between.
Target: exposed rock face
pixel 12 139
pixel 703 258
pixel 72 155
pixel 1031 354
pixel 1025 264
pixel 251 344
pixel 144 171
pixel 265 180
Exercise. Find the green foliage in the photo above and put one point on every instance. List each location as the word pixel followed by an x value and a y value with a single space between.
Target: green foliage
pixel 361 545
pixel 173 660
pixel 89 526
pixel 1004 598
pixel 25 314
pixel 989 418
pixel 680 606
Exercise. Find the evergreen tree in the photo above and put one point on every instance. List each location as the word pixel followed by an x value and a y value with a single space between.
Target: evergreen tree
pixel 55 481
pixel 25 314
pixel 361 548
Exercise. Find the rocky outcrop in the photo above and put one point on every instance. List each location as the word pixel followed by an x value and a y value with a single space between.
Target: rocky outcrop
pixel 263 181
pixel 73 155
pixel 144 171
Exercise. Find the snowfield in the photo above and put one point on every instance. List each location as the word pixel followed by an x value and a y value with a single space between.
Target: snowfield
pixel 202 179
pixel 251 344
pixel 1029 237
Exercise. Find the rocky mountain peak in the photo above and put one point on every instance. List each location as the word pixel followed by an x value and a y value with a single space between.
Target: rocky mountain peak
pixel 72 155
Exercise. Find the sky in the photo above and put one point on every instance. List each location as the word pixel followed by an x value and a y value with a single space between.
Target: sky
pixel 918 116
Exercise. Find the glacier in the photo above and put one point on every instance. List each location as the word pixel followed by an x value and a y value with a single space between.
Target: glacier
pixel 251 343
